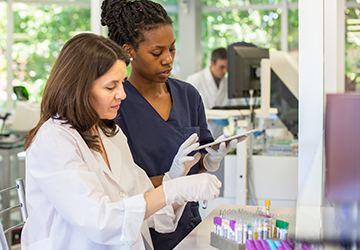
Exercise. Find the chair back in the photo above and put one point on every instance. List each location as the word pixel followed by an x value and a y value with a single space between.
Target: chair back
pixel 6 210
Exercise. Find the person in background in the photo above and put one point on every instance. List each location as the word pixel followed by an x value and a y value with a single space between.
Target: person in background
pixel 212 86
pixel 160 112
pixel 83 189
pixel 211 81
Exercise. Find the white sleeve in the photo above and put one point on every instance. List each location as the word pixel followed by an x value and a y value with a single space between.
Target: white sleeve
pixel 55 163
pixel 166 219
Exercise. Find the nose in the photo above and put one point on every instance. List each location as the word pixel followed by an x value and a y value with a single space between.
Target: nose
pixel 121 93
pixel 168 58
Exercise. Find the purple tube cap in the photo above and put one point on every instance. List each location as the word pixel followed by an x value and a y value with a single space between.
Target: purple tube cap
pixel 232 224
pixel 217 221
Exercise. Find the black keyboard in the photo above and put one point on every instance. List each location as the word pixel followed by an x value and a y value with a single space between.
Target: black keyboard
pixel 236 107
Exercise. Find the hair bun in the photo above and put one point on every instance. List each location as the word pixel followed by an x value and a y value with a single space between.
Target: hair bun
pixel 108 11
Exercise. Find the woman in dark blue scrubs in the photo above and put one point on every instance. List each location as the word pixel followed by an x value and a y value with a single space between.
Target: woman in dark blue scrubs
pixel 159 113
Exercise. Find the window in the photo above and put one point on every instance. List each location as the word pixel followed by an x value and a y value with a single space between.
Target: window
pixel 3 61
pixel 40 31
pixel 39 34
pixel 352 49
pixel 256 21
pixel 226 3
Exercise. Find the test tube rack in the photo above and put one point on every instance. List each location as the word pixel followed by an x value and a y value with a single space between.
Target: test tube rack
pixel 224 244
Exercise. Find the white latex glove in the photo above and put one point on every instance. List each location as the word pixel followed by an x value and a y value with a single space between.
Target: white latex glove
pixel 182 162
pixel 191 188
pixel 213 158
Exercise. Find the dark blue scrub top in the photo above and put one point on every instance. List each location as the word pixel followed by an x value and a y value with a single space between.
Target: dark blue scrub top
pixel 154 142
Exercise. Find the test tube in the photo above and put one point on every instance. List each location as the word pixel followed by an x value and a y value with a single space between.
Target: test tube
pixel 278 227
pixel 249 232
pixel 285 230
pixel 265 228
pixel 267 207
pixel 244 232
pixel 273 225
pixel 232 230
pixel 238 236
pixel 259 228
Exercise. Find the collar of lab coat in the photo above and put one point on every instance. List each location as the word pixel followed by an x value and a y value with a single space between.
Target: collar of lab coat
pixel 112 157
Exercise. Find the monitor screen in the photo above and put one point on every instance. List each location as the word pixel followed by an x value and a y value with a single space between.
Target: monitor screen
pixel 244 69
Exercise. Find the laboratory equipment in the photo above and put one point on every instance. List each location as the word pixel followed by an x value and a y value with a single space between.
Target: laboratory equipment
pixel 245 74
pixel 244 69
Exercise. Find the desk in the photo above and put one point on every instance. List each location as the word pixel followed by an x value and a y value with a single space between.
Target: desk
pixel 199 238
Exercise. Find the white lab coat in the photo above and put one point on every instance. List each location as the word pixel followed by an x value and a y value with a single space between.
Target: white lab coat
pixel 211 95
pixel 76 203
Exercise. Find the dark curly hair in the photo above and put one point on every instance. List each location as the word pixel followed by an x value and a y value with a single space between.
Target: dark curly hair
pixel 127 20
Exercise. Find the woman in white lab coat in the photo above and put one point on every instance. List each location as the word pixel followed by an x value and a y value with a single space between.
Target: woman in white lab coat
pixel 83 189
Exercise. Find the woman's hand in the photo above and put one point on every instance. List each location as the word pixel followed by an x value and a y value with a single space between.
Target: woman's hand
pixel 182 162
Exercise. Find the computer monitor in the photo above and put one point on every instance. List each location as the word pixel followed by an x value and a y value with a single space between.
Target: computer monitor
pixel 244 69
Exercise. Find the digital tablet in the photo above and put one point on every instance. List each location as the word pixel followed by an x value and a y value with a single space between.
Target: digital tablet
pixel 239 137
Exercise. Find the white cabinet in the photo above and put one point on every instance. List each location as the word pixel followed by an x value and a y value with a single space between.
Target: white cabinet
pixel 274 178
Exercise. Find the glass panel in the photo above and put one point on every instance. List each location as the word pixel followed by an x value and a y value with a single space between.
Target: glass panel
pixel 352 50
pixel 260 27
pixel 3 61
pixel 39 34
pixel 226 3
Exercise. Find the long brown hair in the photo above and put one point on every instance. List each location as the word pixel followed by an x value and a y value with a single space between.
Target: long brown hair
pixel 82 60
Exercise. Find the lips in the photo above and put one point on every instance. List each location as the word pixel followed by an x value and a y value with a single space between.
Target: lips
pixel 116 106
pixel 166 73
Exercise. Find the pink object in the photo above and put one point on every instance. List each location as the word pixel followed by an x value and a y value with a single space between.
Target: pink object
pixel 342 147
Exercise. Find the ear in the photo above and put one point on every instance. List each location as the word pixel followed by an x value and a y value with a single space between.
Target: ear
pixel 129 50
pixel 212 63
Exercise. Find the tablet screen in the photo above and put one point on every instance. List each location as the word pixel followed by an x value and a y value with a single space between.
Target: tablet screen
pixel 215 145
